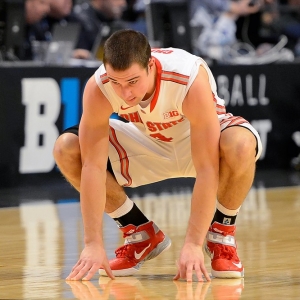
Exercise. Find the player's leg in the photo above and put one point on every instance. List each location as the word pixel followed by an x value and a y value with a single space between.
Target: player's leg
pixel 237 165
pixel 66 153
pixel 67 156
pixel 143 239
pixel 239 149
pixel 138 231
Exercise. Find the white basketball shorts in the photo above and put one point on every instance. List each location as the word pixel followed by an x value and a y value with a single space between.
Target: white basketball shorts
pixel 138 159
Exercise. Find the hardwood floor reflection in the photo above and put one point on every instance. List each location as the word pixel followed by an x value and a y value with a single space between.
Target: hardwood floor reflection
pixel 41 240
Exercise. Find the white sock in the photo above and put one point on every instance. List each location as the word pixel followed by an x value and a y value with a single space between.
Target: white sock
pixel 226 211
pixel 122 210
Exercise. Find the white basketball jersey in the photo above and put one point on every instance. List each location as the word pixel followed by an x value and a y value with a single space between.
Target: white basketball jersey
pixel 155 144
pixel 163 119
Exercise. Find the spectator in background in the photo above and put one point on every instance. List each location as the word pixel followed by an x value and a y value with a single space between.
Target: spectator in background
pixel 59 12
pixel 282 18
pixel 264 29
pixel 35 11
pixel 215 20
pixel 99 19
pixel 41 28
pixel 60 9
pixel 135 15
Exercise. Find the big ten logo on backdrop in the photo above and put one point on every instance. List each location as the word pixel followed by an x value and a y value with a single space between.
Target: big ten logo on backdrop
pixel 246 93
pixel 46 100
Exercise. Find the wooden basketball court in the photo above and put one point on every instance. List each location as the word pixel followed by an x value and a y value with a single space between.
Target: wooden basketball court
pixel 41 239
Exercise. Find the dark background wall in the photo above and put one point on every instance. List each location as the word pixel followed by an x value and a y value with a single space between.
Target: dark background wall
pixel 37 103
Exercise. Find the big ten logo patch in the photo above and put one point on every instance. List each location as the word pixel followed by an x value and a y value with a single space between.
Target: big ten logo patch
pixel 44 100
pixel 170 114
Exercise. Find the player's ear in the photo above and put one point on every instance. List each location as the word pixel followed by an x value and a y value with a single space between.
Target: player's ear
pixel 151 63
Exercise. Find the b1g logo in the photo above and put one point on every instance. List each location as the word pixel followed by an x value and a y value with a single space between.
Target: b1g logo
pixel 171 114
pixel 42 98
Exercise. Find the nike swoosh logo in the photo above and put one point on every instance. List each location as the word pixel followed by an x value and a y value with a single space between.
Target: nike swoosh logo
pixel 139 255
pixel 239 265
pixel 124 108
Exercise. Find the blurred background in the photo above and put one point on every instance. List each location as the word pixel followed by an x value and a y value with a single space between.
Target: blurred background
pixel 49 48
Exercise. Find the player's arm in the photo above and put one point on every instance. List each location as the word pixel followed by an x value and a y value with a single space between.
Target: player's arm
pixel 199 108
pixel 93 139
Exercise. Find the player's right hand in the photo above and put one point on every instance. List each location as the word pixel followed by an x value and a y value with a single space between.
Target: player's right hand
pixel 92 258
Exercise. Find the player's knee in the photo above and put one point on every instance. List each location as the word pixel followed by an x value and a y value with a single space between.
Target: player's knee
pixel 66 145
pixel 238 148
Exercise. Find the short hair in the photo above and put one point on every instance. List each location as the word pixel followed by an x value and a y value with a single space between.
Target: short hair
pixel 125 47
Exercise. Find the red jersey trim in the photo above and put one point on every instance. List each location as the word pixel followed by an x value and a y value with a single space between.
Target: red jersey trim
pixel 104 78
pixel 124 161
pixel 220 109
pixel 233 121
pixel 157 84
pixel 175 77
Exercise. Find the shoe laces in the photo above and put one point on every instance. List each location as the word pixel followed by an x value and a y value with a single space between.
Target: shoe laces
pixel 124 250
pixel 225 252
pixel 127 248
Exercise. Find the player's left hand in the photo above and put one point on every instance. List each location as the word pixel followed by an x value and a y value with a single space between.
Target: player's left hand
pixel 191 259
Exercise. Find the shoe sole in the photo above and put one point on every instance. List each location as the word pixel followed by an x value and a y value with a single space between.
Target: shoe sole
pixel 227 274
pixel 223 274
pixel 160 248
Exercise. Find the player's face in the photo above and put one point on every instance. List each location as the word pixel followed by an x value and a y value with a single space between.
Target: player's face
pixel 131 85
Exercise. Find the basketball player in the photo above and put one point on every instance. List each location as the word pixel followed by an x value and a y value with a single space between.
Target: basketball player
pixel 177 127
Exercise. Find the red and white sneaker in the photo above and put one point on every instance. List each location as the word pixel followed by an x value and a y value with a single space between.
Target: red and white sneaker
pixel 221 248
pixel 142 243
